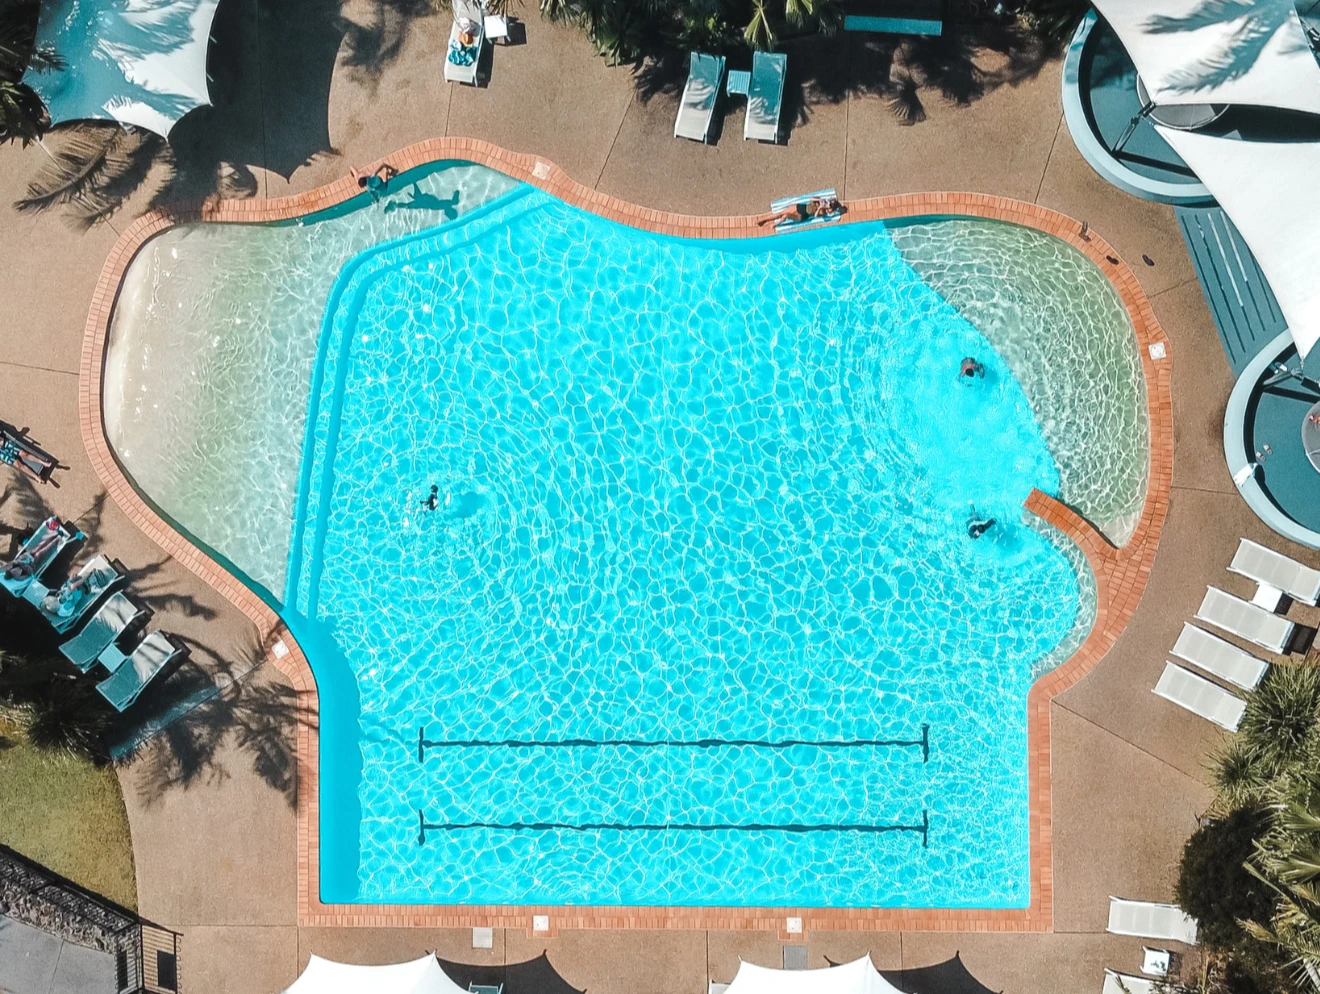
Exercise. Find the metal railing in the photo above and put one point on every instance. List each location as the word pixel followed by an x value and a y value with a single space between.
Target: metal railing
pixel 146 956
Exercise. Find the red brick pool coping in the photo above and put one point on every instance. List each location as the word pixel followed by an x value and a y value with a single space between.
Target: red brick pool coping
pixel 1121 574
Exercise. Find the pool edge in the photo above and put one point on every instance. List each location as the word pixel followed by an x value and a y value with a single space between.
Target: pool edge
pixel 1121 573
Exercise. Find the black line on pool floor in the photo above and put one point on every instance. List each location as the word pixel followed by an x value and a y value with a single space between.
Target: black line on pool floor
pixel 424 826
pixel 423 743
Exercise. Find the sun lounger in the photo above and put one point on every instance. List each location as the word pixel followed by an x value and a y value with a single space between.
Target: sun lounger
pixel 1127 983
pixel 765 97
pixel 462 61
pixel 1151 921
pixel 114 617
pixel 1199 696
pixel 1220 658
pixel 16 452
pixel 127 681
pixel 18 585
pixel 696 108
pixel 100 576
pixel 1275 573
pixel 1245 620
pixel 779 206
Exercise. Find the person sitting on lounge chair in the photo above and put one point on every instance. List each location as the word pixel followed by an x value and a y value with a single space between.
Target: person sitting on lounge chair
pixel 64 602
pixel 25 563
pixel 806 210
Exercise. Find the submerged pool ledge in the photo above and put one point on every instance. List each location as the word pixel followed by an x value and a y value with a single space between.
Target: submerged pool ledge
pixel 1120 574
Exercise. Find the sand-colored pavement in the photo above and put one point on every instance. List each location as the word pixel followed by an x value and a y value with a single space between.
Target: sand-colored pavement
pixel 210 800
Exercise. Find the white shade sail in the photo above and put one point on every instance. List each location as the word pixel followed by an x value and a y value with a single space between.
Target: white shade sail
pixel 1271 190
pixel 1218 51
pixel 140 62
pixel 858 977
pixel 421 976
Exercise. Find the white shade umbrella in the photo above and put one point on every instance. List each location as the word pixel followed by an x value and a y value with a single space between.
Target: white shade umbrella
pixel 1271 190
pixel 1218 51
pixel 858 977
pixel 140 62
pixel 421 976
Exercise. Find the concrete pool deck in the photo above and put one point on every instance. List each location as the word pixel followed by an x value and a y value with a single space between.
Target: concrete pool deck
pixel 209 802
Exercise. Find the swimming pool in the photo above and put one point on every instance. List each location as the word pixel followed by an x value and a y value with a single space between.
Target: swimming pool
pixel 696 619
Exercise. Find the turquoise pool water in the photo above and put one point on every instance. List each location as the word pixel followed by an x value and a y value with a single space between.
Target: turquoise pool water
pixel 696 619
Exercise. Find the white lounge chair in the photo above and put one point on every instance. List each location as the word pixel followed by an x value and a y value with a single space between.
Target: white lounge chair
pixel 1199 696
pixel 696 108
pixel 1151 921
pixel 114 617
pixel 1245 620
pixel 131 674
pixel 765 97
pixel 1275 573
pixel 462 61
pixel 99 577
pixel 18 585
pixel 1127 983
pixel 1220 658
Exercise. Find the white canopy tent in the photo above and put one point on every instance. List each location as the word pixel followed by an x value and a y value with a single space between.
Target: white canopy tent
pixel 421 976
pixel 1218 51
pixel 1271 190
pixel 858 977
pixel 140 62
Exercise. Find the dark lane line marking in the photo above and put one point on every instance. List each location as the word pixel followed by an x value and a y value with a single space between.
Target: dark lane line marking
pixel 549 826
pixel 423 743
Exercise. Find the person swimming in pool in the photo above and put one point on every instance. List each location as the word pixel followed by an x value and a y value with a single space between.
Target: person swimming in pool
pixel 433 501
pixel 971 369
pixel 976 526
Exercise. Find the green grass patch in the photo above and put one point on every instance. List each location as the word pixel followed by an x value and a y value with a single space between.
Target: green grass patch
pixel 67 814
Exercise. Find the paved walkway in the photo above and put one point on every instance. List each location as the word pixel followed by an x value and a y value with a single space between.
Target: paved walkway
pixel 36 962
pixel 210 802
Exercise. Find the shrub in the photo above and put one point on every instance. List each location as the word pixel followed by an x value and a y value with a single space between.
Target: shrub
pixel 1214 886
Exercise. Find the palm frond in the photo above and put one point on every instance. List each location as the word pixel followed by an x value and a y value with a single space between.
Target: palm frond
pixel 90 173
pixel 760 33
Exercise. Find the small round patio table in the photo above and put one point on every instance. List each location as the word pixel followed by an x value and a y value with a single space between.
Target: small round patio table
pixel 1311 435
pixel 1180 117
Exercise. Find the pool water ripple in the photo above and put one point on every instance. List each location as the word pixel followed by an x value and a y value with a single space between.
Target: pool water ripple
pixel 686 491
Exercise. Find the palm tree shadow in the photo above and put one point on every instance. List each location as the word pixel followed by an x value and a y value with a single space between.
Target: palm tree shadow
pixel 1258 24
pixel 233 710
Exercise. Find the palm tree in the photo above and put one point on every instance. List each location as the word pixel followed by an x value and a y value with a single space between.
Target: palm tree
pixel 22 114
pixel 1288 861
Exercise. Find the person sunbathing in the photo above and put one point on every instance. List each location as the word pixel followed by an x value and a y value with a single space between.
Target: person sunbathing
pixel 26 562
pixel 13 454
pixel 813 208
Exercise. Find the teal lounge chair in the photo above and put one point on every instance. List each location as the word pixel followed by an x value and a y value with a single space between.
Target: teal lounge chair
pixel 115 616
pixel 131 674
pixel 765 97
pixel 696 108
pixel 100 576
pixel 18 585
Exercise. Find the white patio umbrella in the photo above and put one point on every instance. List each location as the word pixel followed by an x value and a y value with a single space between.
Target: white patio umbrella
pixel 1251 52
pixel 420 976
pixel 140 62
pixel 1271 190
pixel 858 977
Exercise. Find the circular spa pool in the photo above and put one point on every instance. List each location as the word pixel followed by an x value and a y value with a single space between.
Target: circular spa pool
pixel 1104 114
pixel 694 617
pixel 1272 448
